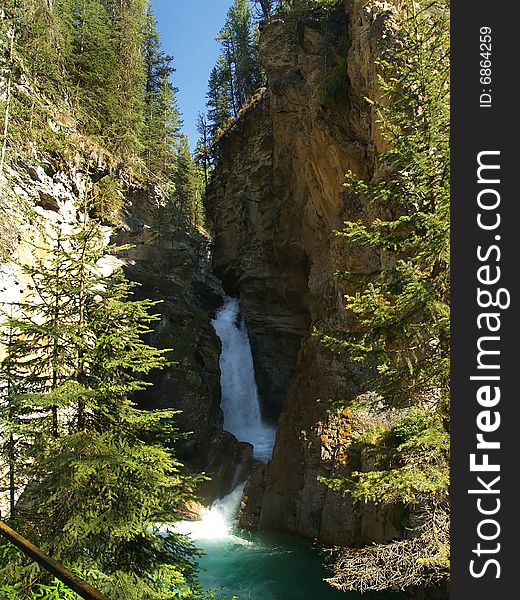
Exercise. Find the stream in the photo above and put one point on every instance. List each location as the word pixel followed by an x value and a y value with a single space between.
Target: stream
pixel 252 565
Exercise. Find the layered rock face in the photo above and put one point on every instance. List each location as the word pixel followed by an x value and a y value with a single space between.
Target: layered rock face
pixel 171 265
pixel 275 201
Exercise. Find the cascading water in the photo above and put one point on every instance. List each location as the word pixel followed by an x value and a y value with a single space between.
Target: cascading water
pixel 250 565
pixel 240 402
pixel 217 521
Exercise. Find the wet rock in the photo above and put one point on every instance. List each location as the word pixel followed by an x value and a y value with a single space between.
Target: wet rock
pixel 251 505
pixel 276 198
pixel 225 460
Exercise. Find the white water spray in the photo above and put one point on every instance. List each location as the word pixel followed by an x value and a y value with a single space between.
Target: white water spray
pixel 217 521
pixel 240 402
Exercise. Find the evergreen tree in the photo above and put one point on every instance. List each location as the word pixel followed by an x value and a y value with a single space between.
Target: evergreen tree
pixel 228 55
pixel 94 67
pixel 8 31
pixel 42 339
pixel 162 118
pixel 237 74
pixel 240 33
pixel 34 38
pixel 157 63
pixel 129 19
pixel 202 151
pixel 267 7
pixel 220 101
pixel 401 310
pixel 188 188
pixel 103 59
pixel 46 42
pixel 198 211
pixel 101 478
pixel 88 53
pixel 11 386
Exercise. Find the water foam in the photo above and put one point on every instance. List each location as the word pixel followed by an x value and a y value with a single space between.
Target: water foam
pixel 217 521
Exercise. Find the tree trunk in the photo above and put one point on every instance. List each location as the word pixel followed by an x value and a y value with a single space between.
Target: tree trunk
pixel 265 8
pixel 8 100
pixel 11 444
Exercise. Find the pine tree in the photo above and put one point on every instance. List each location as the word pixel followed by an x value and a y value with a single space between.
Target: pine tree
pixel 129 19
pixel 94 67
pixel 102 477
pixel 240 31
pixel 188 189
pixel 219 96
pixel 158 64
pixel 162 119
pixel 228 73
pixel 403 310
pixel 267 7
pixel 42 340
pixel 237 74
pixel 8 31
pixel 11 386
pixel 400 311
pixel 162 131
pixel 203 151
pixel 100 58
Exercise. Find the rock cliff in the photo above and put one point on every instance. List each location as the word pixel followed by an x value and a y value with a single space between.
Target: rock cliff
pixel 276 198
pixel 171 265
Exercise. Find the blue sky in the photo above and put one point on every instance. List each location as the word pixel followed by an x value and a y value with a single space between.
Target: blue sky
pixel 188 30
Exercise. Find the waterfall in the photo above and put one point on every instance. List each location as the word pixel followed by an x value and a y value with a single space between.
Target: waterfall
pixel 240 404
pixel 217 521
pixel 240 401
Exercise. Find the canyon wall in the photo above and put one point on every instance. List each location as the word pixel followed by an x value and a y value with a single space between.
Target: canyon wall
pixel 172 266
pixel 275 201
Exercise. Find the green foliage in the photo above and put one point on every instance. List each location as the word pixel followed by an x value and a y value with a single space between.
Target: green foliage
pixel 237 74
pixel 100 58
pixel 162 120
pixel 107 199
pixel 402 309
pixel 238 40
pixel 202 154
pixel 220 103
pixel 188 182
pixel 129 20
pixel 94 71
pixel 411 475
pixel 413 461
pixel 44 42
pixel 400 312
pixel 98 474
pixel 294 11
pixel 265 8
pixel 93 65
pixel 291 10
